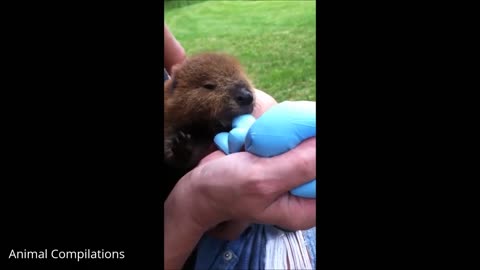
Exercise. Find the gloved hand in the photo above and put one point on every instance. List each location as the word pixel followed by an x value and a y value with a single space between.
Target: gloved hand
pixel 277 131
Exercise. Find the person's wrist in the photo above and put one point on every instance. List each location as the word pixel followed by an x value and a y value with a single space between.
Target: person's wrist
pixel 178 208
pixel 181 229
pixel 195 206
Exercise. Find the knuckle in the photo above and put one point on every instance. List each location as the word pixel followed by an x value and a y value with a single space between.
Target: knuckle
pixel 257 183
pixel 305 164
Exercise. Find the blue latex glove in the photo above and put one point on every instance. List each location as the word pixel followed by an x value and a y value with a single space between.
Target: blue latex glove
pixel 277 131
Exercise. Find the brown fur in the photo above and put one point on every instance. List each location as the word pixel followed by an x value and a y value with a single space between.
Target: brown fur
pixel 193 113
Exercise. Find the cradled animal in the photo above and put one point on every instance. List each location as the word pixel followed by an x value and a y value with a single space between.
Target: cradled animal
pixel 203 96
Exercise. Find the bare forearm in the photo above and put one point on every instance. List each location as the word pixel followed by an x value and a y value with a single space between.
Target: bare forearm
pixel 181 232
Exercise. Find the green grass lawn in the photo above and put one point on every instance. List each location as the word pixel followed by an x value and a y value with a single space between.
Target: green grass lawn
pixel 274 40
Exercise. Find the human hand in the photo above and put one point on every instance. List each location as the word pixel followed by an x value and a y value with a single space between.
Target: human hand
pixel 230 230
pixel 294 120
pixel 245 187
pixel 280 129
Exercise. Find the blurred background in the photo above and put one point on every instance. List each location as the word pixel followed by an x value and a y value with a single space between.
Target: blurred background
pixel 274 40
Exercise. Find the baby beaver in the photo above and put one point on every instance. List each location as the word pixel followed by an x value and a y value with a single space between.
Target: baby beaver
pixel 201 99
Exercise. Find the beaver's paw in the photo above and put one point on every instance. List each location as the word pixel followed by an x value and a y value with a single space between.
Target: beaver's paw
pixel 179 150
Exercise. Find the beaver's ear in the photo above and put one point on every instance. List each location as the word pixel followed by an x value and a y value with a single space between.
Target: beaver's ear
pixel 175 68
pixel 173 76
pixel 173 84
pixel 169 84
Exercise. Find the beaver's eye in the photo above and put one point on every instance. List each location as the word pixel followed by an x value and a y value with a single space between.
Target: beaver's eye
pixel 209 86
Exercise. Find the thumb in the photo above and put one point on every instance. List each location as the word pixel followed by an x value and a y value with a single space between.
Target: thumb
pixel 294 167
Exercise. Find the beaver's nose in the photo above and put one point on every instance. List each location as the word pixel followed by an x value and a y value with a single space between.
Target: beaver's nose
pixel 243 97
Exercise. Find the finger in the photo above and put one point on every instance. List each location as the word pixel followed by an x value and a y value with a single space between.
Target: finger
pixel 173 52
pixel 292 168
pixel 263 102
pixel 291 212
